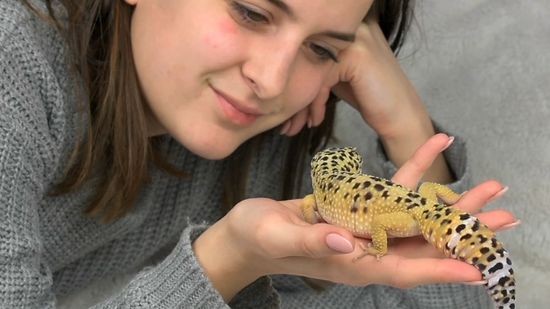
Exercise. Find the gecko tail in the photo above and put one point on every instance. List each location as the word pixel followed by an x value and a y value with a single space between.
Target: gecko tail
pixel 464 237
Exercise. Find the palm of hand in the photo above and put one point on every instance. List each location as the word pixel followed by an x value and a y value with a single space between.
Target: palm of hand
pixel 281 242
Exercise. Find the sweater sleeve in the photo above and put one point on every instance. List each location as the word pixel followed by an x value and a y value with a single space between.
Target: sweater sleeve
pixel 25 280
pixel 178 281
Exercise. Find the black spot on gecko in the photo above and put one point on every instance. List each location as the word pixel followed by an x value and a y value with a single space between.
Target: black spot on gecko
pixel 423 201
pixel 368 196
pixel 482 238
pixel 447 211
pixel 491 258
pixel 366 184
pixel 466 237
pixel 464 217
pixel 475 227
pixel 413 206
pixel 460 228
pixel 502 281
pixel 378 187
pixel 398 200
pixel 356 186
pixel 385 194
pixel 484 250
pixel 495 268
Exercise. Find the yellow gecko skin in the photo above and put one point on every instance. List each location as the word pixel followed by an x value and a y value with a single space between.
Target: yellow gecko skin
pixel 370 206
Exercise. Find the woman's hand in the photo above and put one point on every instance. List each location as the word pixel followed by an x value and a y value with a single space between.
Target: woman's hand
pixel 262 236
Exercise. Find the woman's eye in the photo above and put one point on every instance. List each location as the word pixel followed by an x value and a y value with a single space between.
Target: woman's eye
pixel 248 15
pixel 323 53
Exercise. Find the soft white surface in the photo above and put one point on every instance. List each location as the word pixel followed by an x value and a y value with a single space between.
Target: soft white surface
pixel 483 69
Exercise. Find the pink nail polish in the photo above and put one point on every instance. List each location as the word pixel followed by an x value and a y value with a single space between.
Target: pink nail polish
pixel 498 194
pixel 451 140
pixel 480 282
pixel 509 226
pixel 338 243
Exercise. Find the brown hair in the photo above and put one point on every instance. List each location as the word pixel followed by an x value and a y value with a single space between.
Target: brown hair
pixel 115 149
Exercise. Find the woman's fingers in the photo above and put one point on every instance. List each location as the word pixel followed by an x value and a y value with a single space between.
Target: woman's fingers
pixel 407 273
pixel 412 171
pixel 476 198
pixel 293 125
pixel 318 107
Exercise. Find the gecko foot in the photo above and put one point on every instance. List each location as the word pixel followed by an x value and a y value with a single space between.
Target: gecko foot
pixel 368 250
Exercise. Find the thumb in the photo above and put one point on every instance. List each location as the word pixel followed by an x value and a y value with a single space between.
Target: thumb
pixel 321 239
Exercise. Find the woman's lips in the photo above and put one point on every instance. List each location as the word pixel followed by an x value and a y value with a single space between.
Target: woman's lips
pixel 234 112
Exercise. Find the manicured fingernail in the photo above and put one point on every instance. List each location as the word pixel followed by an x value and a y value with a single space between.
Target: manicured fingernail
pixel 498 194
pixel 509 226
pixel 338 243
pixel 451 140
pixel 285 128
pixel 480 282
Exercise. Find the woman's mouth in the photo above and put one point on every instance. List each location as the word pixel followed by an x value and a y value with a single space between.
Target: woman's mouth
pixel 235 111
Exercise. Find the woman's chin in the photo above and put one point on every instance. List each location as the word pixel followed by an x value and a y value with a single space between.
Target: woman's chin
pixel 213 150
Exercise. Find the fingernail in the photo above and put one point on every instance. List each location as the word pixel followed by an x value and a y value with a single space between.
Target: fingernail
pixel 451 140
pixel 338 243
pixel 284 128
pixel 480 282
pixel 509 226
pixel 498 194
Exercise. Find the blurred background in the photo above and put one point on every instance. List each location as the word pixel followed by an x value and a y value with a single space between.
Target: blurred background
pixel 483 69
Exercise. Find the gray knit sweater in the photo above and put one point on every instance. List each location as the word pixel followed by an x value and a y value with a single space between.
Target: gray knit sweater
pixel 48 248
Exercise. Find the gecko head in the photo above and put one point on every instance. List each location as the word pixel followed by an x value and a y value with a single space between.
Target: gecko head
pixel 345 158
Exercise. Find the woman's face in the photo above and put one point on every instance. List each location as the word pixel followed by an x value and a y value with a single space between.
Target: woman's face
pixel 218 72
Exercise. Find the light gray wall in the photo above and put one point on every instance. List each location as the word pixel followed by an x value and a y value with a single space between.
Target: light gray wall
pixel 483 69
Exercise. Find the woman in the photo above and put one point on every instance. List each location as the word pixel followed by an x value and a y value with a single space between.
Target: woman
pixel 128 125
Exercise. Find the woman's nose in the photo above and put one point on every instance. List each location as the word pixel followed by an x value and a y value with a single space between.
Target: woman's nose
pixel 268 70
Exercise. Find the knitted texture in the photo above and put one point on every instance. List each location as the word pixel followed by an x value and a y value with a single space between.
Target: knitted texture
pixel 48 248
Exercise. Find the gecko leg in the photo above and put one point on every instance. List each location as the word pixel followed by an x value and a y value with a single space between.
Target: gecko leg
pixel 434 191
pixel 398 224
pixel 308 208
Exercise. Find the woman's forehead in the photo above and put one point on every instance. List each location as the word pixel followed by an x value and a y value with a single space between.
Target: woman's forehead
pixel 333 13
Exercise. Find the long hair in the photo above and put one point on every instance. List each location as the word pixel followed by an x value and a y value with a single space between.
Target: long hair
pixel 115 149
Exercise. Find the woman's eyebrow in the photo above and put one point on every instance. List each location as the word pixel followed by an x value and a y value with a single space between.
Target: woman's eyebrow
pixel 284 7
pixel 348 37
